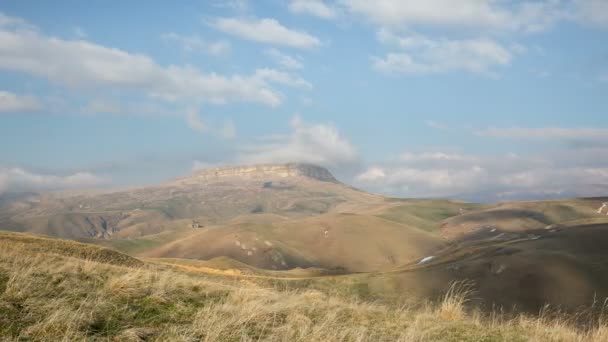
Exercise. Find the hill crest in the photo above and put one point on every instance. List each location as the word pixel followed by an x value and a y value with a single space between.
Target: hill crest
pixel 258 171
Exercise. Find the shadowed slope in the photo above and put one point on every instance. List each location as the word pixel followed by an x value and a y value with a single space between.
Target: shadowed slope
pixel 563 267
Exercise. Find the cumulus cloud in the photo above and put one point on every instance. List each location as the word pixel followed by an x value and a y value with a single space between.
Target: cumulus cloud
pixel 490 177
pixel 583 135
pixel 19 180
pixel 81 63
pixel 271 75
pixel 310 143
pixel 317 8
pixel 487 14
pixel 266 30
pixel 192 43
pixel 11 102
pixel 284 60
pixel 372 174
pixel 433 156
pixel 421 55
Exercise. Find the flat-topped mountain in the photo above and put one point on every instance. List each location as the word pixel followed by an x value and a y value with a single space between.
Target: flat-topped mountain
pixel 262 171
pixel 207 197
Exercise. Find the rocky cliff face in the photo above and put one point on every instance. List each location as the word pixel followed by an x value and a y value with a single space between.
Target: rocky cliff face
pixel 266 171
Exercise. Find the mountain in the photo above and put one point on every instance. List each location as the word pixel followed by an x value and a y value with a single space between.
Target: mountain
pixel 297 221
pixel 269 216
pixel 207 197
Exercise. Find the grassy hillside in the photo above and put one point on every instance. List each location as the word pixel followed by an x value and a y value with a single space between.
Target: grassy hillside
pixel 523 215
pixel 356 243
pixel 426 214
pixel 566 267
pixel 49 295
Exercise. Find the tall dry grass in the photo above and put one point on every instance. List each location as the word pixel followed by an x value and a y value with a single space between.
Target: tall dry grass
pixel 50 297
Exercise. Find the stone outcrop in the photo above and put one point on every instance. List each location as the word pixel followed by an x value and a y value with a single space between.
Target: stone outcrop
pixel 266 171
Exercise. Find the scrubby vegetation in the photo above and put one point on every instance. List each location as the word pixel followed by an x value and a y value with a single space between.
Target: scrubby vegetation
pixel 46 294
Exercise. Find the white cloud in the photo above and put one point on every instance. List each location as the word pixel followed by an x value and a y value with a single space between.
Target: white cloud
pixel 271 75
pixel 266 30
pixel 372 174
pixel 14 23
pixel 317 8
pixel 194 121
pixel 433 156
pixel 489 14
pixel 80 64
pixel 576 135
pixel 309 143
pixel 196 43
pixel 490 177
pixel 18 179
pixel 286 61
pixel 422 55
pixel 10 102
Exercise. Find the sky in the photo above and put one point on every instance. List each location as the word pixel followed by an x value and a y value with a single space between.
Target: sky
pixel 484 100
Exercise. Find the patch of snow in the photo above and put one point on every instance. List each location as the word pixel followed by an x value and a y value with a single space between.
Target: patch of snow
pixel 426 259
pixel 498 236
pixel 268 243
pixel 501 269
pixel 601 209
pixel 493 230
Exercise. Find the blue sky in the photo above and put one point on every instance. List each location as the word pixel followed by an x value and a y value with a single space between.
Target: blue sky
pixel 481 99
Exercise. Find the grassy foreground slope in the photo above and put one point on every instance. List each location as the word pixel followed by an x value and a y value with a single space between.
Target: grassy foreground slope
pixel 47 294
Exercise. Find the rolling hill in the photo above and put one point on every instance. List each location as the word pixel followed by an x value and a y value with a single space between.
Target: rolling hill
pixel 298 223
pixel 523 215
pixel 274 217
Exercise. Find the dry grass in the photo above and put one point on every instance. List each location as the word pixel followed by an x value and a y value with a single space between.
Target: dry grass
pixel 48 296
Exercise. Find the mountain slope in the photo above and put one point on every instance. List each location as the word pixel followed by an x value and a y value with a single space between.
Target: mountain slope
pixel 207 197
pixel 565 267
pixel 355 242
pixel 523 215
pixel 49 296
